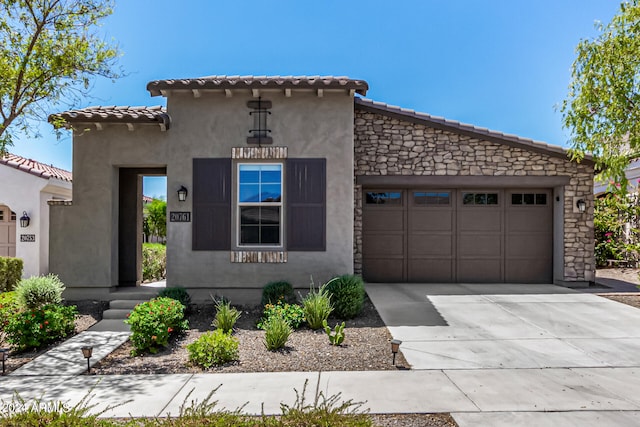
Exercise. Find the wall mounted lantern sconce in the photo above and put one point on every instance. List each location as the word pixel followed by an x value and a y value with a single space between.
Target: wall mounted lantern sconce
pixel 395 347
pixel 581 205
pixel 182 193
pixel 4 355
pixel 87 352
pixel 24 220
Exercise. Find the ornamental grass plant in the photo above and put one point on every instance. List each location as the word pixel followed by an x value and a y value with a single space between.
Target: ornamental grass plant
pixel 226 316
pixel 317 307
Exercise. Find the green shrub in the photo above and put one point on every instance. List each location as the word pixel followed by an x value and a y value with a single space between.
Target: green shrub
pixel 34 328
pixel 274 292
pixel 38 291
pixel 154 261
pixel 8 307
pixel 317 307
pixel 10 273
pixel 277 331
pixel 226 316
pixel 153 322
pixel 347 295
pixel 291 313
pixel 177 293
pixel 213 348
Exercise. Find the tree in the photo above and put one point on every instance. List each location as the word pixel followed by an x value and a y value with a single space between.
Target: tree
pixel 49 53
pixel 602 109
pixel 156 218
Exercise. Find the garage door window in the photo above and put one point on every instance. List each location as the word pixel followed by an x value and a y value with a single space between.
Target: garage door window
pixel 480 199
pixel 386 198
pixel 432 198
pixel 529 199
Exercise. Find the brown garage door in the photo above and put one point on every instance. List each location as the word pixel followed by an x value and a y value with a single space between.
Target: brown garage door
pixel 447 235
pixel 7 232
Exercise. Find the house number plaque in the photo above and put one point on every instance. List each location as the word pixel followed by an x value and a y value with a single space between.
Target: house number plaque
pixel 27 237
pixel 180 216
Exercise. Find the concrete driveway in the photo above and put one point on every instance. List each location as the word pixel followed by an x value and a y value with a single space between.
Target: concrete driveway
pixel 475 326
pixel 521 354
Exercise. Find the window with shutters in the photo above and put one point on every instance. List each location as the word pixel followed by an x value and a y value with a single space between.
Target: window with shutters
pixel 259 204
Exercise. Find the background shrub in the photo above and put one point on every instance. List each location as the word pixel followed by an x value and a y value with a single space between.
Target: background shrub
pixel 347 295
pixel 35 328
pixel 278 291
pixel 38 291
pixel 10 273
pixel 226 316
pixel 154 261
pixel 153 322
pixel 213 348
pixel 277 332
pixel 291 313
pixel 177 293
pixel 317 307
pixel 8 307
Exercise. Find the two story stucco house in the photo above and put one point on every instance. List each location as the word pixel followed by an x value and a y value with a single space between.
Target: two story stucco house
pixel 287 178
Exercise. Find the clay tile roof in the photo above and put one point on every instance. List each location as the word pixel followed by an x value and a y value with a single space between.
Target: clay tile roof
pixel 115 114
pixel 259 82
pixel 35 168
pixel 452 125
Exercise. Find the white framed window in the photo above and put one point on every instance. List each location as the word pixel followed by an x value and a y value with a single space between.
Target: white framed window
pixel 260 204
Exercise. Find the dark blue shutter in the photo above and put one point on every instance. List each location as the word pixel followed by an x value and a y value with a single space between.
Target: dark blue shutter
pixel 211 204
pixel 306 204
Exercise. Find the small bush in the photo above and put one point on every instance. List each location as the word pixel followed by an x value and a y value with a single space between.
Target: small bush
pixel 38 291
pixel 34 328
pixel 10 273
pixel 177 293
pixel 213 348
pixel 291 313
pixel 278 291
pixel 277 331
pixel 153 322
pixel 347 295
pixel 316 307
pixel 154 261
pixel 226 316
pixel 8 307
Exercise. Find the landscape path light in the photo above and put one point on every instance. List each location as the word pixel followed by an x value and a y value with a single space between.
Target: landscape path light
pixel 87 351
pixel 4 355
pixel 395 346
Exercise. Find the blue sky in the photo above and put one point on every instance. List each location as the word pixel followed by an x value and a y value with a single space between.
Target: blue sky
pixel 500 64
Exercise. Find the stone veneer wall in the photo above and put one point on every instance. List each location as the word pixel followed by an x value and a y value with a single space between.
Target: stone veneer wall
pixel 388 146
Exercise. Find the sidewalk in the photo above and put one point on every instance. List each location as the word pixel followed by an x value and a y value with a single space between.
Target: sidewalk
pixel 592 396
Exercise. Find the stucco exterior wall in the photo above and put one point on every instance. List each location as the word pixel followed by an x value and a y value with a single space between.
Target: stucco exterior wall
pixel 208 126
pixel 24 192
pixel 388 146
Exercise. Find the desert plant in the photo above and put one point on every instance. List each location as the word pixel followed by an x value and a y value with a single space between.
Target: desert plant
pixel 347 295
pixel 316 307
pixel 177 293
pixel 277 331
pixel 34 328
pixel 226 316
pixel 291 313
pixel 213 348
pixel 38 291
pixel 154 261
pixel 336 337
pixel 153 322
pixel 278 291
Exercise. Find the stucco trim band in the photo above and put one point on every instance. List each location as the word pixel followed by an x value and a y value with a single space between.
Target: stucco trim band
pixel 411 181
pixel 259 257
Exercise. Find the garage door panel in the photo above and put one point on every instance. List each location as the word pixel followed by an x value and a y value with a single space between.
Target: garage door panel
pixel 384 220
pixel 528 220
pixel 383 270
pixel 479 245
pixel 479 271
pixel 381 245
pixel 431 270
pixel 431 220
pixel 482 219
pixel 431 244
pixel 528 245
pixel 529 270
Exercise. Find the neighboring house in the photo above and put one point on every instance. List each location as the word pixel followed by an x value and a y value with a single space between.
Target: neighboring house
pixel 27 186
pixel 632 172
pixel 293 177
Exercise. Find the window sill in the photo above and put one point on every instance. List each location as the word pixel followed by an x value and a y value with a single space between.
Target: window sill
pixel 259 257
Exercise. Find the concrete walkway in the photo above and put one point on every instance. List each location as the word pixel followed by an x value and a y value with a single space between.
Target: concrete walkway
pixel 499 355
